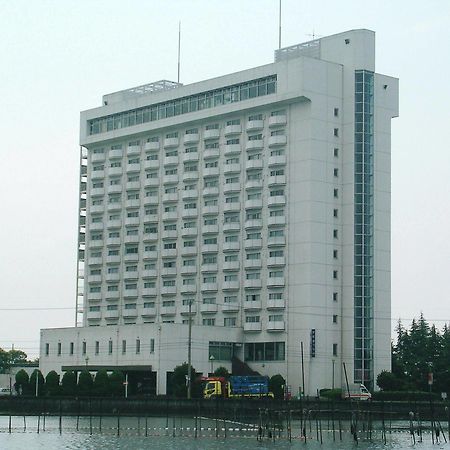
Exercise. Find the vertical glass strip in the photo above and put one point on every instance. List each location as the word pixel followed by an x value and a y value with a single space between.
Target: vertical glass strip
pixel 363 231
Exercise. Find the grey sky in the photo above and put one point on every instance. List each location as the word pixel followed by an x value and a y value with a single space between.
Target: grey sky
pixel 58 58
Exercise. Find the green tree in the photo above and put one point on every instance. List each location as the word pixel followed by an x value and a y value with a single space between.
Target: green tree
pixel 8 358
pixel 101 383
pixel 387 381
pixel 116 380
pixel 221 372
pixel 22 381
pixel 52 383
pixel 276 386
pixel 69 383
pixel 36 377
pixel 85 383
pixel 179 385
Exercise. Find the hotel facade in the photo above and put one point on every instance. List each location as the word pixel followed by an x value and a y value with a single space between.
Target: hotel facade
pixel 256 205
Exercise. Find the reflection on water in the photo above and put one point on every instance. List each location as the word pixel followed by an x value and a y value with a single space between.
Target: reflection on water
pixel 178 433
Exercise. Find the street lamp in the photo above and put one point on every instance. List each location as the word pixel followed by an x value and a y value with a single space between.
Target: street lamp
pixel 211 360
pixel 87 362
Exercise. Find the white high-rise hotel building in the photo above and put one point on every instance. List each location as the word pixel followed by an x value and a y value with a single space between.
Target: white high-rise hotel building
pixel 260 199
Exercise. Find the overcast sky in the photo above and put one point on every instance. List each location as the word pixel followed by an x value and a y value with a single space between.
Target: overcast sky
pixel 59 57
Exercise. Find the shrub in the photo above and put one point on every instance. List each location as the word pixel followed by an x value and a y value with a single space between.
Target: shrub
pixel 101 383
pixel 332 394
pixel 36 377
pixel 116 380
pixel 69 383
pixel 276 386
pixel 22 381
pixel 52 383
pixel 404 396
pixel 85 383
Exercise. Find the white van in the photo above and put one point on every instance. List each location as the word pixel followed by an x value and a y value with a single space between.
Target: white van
pixel 5 391
pixel 357 392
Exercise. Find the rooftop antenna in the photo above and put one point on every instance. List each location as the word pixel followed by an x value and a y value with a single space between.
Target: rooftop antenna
pixel 313 35
pixel 279 28
pixel 179 49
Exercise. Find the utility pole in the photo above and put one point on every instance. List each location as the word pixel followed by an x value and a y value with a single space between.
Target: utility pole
pixel 189 384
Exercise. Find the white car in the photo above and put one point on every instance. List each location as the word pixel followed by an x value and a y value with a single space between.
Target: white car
pixel 5 391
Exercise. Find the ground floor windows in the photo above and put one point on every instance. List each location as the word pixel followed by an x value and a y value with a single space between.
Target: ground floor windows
pixel 264 351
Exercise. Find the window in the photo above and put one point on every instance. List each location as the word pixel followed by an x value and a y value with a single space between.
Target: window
pixel 231 219
pixel 335 234
pixel 149 305
pixel 208 221
pixel 335 296
pixel 255 156
pixel 124 346
pixel 276 253
pixel 335 152
pixel 231 277
pixel 188 262
pixel 335 349
pixel 277 133
pixel 232 141
pixel 252 297
pixel 229 322
pixel 231 180
pixel 209 241
pixel 276 233
pixel 170 245
pixel 192 131
pixel 254 196
pixel 255 117
pixel 97 347
pixel 252 319
pixel 83 348
pixel 168 303
pixel 276 296
pixel 209 279
pixel 138 346
pixel 275 173
pixel 231 238
pixel 59 348
pixel 47 349
pixel 253 256
pixel 336 132
pixel 152 345
pixel 172 135
pixel 211 202
pixel 112 308
pixel 209 322
pixel 264 351
pixel 110 347
pixel 335 318
pixel 335 193
pixel 336 172
pixel 255 137
pixel 256 235
pixel 168 283
pixel 253 276
pixel 221 351
pixel 276 318
pixel 94 308
pixel 113 288
pixel 336 112
pixel 335 213
pixel 335 274
pixel 130 306
pixel 187 244
pixel 233 122
pixel 209 259
pixel 188 281
pixel 71 348
pixel 276 274
pixel 209 301
pixel 190 205
pixel 230 299
pixel 190 150
pixel 230 258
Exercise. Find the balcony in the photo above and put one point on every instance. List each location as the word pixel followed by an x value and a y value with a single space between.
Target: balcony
pixel 94 209
pixel 170 160
pixel 276 281
pixel 213 209
pixel 253 243
pixel 96 243
pixel 276 304
pixel 252 327
pixel 170 179
pixel 230 285
pixel 211 153
pixel 230 307
pixel 112 296
pixel 208 308
pixel 115 154
pixel 189 212
pixel 231 226
pixel 187 251
pixel 275 121
pixel 255 125
pixel 114 171
pixel 209 268
pixel 94 315
pixel 232 129
pixel 276 241
pixel 151 164
pixel 133 150
pixel 231 168
pixel 214 190
pixel 252 284
pixel 149 292
pixel 274 141
pixel 151 182
pixel 132 203
pixel 94 278
pixel 114 189
pixel 252 263
pixel 169 252
pixel 96 174
pixel 150 255
pixel 168 310
pixel 186 270
pixel 129 257
pixel 277 179
pixel 210 248
pixel 277 325
pixel 151 200
pixel 94 296
pixel 188 288
pixel 148 312
pixel 131 239
pixel 112 277
pixel 169 215
pixel 168 290
pixel 254 203
pixel 253 184
pixel 115 206
pixel 171 142
pixel 189 231
pixel 150 237
pixel 230 265
pixel 134 167
pixel 189 157
pixel 113 314
pixel 276 261
pixel 230 246
pixel 253 164
pixel 276 200
pixel 252 305
pixel 130 293
pixel 210 229
pixel 253 223
pixel 117 223
pixel 211 172
pixel 231 187
pixel 130 275
pixel 112 241
pixel 277 160
pixel 184 310
pixel 132 221
pixel 113 259
pixel 169 234
pixel 149 273
pixel 189 193
pixel 172 197
pixel 232 149
pixel 211 134
pixel 168 271
pixel 276 220
pixel 96 192
pixel 190 138
pixel 256 144
pixel 129 313
pixel 190 175
pixel 95 261
pixel 151 146
pixel 96 226
pixel 232 207
pixel 209 287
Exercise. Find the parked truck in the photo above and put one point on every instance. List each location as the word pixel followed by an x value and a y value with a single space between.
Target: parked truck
pixel 237 387
pixel 356 391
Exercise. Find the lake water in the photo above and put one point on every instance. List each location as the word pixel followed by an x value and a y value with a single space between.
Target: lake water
pixel 168 434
